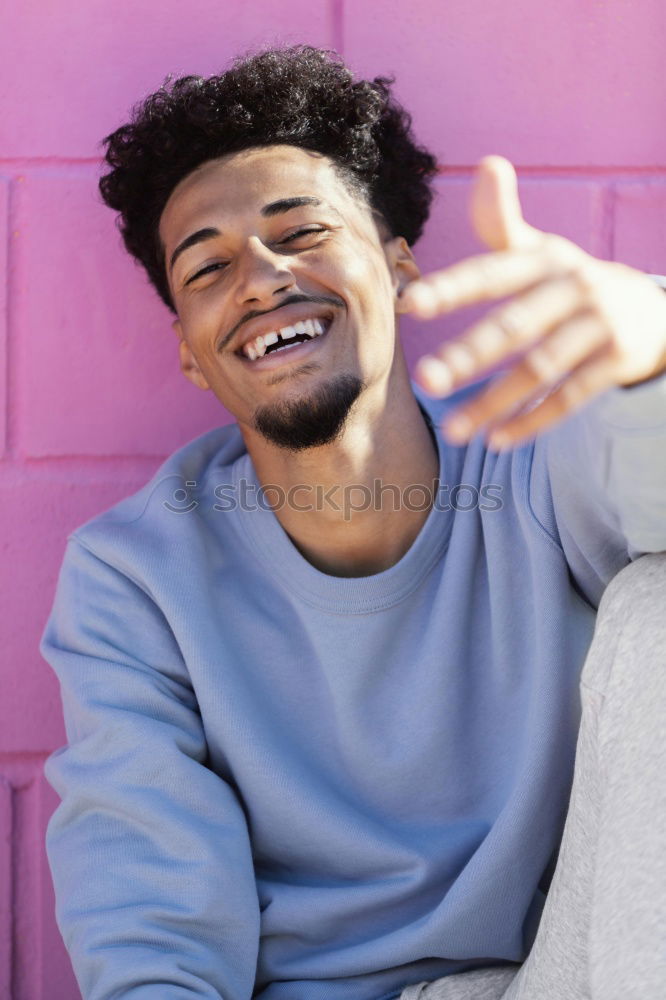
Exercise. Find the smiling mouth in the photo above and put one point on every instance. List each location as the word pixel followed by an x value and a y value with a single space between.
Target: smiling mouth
pixel 285 338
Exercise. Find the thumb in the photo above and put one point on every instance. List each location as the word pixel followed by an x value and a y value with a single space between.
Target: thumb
pixel 496 214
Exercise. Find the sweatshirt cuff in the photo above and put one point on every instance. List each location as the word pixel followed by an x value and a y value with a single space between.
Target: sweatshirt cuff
pixel 635 407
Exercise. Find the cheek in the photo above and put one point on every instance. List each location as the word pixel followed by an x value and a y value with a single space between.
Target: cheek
pixel 374 294
pixel 360 276
pixel 203 318
pixel 375 275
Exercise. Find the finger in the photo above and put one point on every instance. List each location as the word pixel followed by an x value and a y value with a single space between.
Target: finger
pixel 592 377
pixel 547 362
pixel 506 330
pixel 495 209
pixel 489 276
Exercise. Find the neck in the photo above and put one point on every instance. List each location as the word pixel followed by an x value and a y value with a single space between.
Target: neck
pixel 363 498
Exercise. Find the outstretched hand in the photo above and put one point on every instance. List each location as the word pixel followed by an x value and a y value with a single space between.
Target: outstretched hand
pixel 576 325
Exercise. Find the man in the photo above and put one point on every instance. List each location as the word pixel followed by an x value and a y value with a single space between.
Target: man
pixel 320 677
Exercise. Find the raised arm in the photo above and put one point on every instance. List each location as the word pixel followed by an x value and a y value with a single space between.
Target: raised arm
pixel 581 348
pixel 149 849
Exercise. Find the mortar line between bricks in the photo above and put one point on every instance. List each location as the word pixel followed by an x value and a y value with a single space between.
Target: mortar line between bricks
pixel 4 445
pixel 337 28
pixel 25 162
pixel 563 172
pixel 13 864
pixel 10 316
pixel 25 886
pixel 6 924
pixel 610 204
pixel 96 459
pixel 338 25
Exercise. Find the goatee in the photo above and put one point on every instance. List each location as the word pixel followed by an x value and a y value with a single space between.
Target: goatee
pixel 312 420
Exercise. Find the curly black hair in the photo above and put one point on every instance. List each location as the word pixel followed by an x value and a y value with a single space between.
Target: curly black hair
pixel 296 95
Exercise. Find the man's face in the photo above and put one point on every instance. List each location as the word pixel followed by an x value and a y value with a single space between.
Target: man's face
pixel 270 243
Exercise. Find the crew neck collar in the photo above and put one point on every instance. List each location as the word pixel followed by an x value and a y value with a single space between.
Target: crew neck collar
pixel 273 547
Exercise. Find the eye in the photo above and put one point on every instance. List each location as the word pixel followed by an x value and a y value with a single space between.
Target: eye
pixel 206 270
pixel 304 232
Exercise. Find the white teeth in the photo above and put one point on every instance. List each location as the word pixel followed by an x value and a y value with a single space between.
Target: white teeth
pixel 257 347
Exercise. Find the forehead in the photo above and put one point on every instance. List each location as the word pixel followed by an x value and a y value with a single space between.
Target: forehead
pixel 246 181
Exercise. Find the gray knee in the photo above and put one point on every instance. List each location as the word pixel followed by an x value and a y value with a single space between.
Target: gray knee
pixel 638 593
pixel 631 622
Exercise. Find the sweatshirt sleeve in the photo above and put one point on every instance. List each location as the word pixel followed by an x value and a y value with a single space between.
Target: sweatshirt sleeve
pixel 149 849
pixel 598 483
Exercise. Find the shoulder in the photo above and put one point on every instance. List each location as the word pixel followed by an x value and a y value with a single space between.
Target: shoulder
pixel 147 522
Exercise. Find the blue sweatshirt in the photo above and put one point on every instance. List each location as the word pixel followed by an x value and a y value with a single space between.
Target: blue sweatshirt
pixel 293 786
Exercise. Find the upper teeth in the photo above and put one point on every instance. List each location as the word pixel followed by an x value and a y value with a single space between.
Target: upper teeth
pixel 257 348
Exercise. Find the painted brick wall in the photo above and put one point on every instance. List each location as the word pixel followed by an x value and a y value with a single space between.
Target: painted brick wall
pixel 91 398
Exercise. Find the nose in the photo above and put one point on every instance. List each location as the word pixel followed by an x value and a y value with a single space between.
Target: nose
pixel 262 274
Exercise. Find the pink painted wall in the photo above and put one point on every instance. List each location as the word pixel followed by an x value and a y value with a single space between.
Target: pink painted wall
pixel 91 398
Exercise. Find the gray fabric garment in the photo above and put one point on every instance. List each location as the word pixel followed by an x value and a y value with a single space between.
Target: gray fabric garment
pixel 602 935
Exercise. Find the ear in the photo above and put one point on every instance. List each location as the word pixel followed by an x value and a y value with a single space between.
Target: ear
pixel 403 267
pixel 188 363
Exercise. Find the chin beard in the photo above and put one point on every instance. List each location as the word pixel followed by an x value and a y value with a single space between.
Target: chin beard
pixel 313 420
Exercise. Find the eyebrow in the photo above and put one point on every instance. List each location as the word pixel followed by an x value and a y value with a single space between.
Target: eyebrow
pixel 209 232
